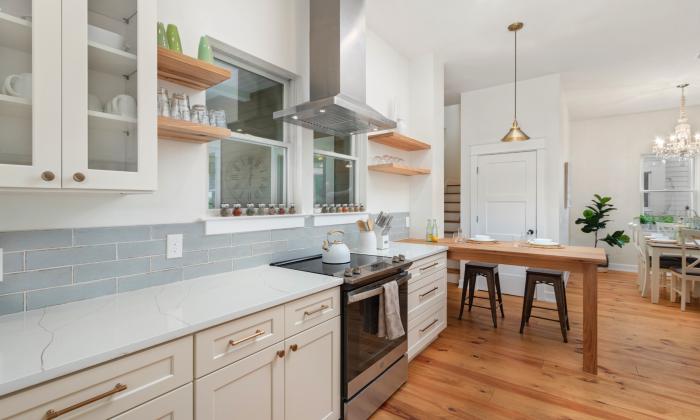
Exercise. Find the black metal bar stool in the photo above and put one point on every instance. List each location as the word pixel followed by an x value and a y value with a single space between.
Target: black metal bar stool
pixel 493 284
pixel 555 279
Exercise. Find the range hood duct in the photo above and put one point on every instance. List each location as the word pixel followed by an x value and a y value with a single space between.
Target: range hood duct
pixel 337 72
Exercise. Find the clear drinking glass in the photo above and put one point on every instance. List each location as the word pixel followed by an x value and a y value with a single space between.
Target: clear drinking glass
pixel 163 103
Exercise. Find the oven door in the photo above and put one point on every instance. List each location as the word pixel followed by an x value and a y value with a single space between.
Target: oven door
pixel 366 355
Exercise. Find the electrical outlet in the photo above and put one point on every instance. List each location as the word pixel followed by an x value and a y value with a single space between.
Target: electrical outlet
pixel 173 246
pixel 408 221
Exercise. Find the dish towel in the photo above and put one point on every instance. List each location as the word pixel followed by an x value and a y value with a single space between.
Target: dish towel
pixel 390 325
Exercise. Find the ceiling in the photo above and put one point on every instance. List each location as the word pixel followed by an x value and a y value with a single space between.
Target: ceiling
pixel 614 56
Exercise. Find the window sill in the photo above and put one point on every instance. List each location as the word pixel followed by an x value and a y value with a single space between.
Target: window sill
pixel 238 224
pixel 328 219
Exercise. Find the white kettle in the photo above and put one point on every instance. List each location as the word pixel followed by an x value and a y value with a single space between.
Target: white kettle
pixel 335 252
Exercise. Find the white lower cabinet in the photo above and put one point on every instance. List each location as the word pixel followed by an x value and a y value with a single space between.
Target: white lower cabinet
pixel 427 302
pixel 252 388
pixel 312 373
pixel 175 405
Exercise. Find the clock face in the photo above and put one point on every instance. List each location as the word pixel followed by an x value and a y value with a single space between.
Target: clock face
pixel 246 178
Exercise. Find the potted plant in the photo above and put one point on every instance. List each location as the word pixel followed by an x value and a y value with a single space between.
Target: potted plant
pixel 595 219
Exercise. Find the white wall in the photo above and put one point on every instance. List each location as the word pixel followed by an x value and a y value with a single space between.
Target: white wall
pixel 486 116
pixel 605 159
pixel 275 31
pixel 452 144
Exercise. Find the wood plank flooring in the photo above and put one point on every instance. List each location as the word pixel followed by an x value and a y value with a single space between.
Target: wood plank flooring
pixel 649 363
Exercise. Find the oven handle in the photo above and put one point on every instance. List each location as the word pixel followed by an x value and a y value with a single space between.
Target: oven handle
pixel 353 298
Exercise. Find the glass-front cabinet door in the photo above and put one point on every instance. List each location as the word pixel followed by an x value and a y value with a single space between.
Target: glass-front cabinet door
pixel 30 94
pixel 109 94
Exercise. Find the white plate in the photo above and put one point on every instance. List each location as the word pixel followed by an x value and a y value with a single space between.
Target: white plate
pixel 482 239
pixel 542 242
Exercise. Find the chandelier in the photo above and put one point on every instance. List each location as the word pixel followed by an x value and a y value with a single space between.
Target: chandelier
pixel 680 145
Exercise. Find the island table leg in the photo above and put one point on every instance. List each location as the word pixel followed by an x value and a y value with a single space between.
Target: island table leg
pixel 590 318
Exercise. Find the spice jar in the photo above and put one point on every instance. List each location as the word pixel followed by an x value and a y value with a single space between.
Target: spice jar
pixel 344 208
pixel 362 207
pixel 332 209
pixel 262 210
pixel 250 210
pixel 237 210
pixel 292 210
pixel 225 210
pixel 324 209
pixel 281 210
pixel 272 210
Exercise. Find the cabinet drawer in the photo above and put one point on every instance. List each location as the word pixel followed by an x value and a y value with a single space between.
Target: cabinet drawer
pixel 425 292
pixel 175 405
pixel 425 329
pixel 311 310
pixel 427 266
pixel 227 343
pixel 108 389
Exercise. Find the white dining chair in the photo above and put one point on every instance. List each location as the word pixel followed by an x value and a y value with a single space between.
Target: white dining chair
pixel 689 272
pixel 642 259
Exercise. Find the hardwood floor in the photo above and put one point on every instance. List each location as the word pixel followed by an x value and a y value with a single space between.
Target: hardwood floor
pixel 649 363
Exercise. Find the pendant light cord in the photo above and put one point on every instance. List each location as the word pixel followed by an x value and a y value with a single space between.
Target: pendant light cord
pixel 515 79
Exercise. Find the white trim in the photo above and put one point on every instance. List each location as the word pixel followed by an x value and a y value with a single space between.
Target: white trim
pixel 334 155
pixel 329 219
pixel 237 224
pixel 498 148
pixel 628 268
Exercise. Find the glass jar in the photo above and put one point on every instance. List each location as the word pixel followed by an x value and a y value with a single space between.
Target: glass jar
pixel 362 207
pixel 250 210
pixel 163 103
pixel 293 210
pixel 199 115
pixel 324 209
pixel 225 210
pixel 317 208
pixel 332 209
pixel 281 210
pixel 272 210
pixel 262 210
pixel 237 210
pixel 344 209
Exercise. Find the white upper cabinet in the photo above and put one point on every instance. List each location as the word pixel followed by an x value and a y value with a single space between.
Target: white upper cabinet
pixel 80 112
pixel 30 94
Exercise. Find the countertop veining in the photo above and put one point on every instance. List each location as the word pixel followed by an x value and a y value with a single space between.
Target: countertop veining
pixel 411 251
pixel 43 344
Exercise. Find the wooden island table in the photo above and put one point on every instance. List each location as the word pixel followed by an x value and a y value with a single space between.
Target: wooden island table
pixel 575 259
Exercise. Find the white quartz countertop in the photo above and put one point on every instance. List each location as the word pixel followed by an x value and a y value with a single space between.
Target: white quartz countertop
pixel 411 251
pixel 43 344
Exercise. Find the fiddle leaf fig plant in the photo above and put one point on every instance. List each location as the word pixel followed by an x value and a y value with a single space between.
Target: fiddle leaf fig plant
pixel 595 219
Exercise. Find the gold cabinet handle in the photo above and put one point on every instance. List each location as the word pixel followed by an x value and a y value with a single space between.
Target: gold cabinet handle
pixel 428 326
pixel 280 353
pixel 78 177
pixel 52 414
pixel 257 333
pixel 430 266
pixel 293 347
pixel 428 292
pixel 48 176
pixel 322 308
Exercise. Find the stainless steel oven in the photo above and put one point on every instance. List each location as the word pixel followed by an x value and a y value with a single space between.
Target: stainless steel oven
pixel 373 367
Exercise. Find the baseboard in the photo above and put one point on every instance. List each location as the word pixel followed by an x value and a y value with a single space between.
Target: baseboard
pixel 629 268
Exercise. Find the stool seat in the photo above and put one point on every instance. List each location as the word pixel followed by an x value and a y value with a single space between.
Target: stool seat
pixel 544 272
pixel 472 269
pixel 535 276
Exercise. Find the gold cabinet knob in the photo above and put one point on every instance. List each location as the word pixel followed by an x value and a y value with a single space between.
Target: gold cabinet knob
pixel 293 347
pixel 280 353
pixel 78 177
pixel 48 176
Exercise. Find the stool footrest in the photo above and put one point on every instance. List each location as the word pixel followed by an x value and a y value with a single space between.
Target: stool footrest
pixel 546 309
pixel 546 319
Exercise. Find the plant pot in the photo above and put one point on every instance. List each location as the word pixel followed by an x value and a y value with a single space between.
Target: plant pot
pixel 603 268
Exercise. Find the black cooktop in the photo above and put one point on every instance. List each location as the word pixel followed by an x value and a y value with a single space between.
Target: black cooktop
pixel 367 267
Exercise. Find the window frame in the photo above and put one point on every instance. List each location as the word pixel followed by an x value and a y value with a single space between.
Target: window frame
pixel 353 157
pixel 691 190
pixel 243 60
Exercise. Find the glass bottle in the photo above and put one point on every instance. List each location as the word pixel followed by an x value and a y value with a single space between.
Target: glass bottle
pixel 435 231
pixel 429 231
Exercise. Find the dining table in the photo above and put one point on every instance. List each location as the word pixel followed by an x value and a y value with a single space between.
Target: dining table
pixel 655 248
pixel 574 259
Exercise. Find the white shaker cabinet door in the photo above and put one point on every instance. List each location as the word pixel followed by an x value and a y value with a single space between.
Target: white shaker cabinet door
pixel 30 94
pixel 249 389
pixel 109 67
pixel 312 373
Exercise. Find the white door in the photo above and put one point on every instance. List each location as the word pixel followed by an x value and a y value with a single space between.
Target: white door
pixel 30 94
pixel 252 388
pixel 506 205
pixel 312 373
pixel 109 101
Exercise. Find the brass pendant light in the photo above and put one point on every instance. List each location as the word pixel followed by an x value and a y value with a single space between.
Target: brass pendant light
pixel 515 133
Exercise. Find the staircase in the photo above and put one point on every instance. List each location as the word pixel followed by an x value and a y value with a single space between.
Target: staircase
pixel 452 203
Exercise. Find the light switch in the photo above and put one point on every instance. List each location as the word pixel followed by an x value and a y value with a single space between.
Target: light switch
pixel 173 246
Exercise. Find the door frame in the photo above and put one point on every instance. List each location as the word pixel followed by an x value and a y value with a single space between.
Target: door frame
pixel 536 145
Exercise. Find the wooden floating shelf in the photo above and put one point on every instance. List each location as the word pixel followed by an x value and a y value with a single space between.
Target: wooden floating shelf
pixel 394 168
pixel 187 71
pixel 172 129
pixel 399 141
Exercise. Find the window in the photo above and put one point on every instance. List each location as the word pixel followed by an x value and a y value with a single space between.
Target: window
pixel 667 187
pixel 334 169
pixel 251 165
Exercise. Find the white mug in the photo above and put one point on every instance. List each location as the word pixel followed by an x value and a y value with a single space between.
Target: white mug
pixel 124 105
pixel 94 103
pixel 18 85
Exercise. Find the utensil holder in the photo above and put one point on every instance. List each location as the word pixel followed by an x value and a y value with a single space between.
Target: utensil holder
pixel 367 241
pixel 382 241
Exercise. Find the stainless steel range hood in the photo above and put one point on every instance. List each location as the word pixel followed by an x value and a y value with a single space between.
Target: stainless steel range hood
pixel 337 72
